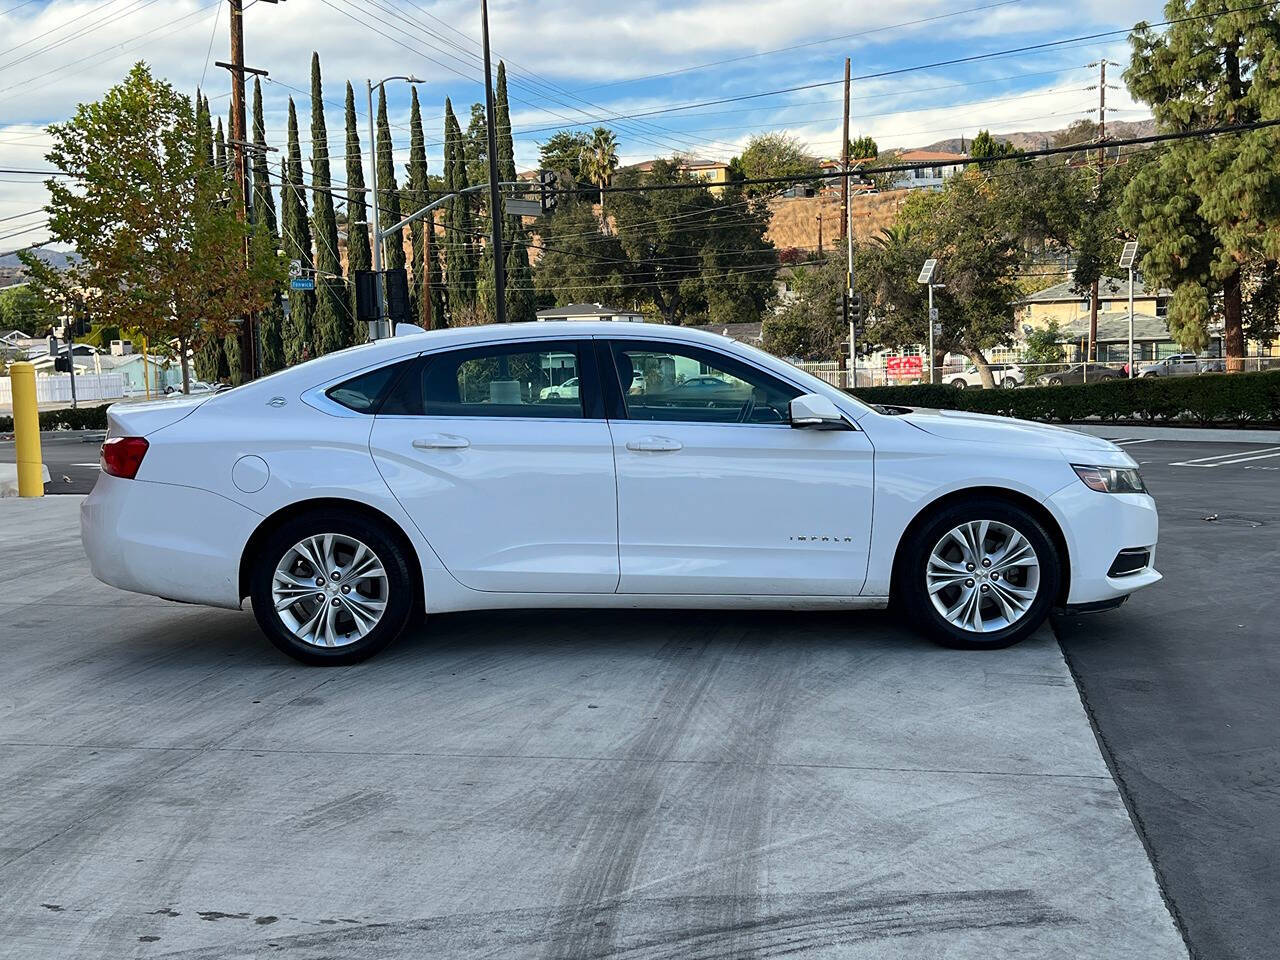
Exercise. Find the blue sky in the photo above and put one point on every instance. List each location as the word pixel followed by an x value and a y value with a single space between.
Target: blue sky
pixel 574 62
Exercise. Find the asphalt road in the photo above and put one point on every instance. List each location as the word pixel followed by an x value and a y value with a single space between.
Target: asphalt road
pixel 70 455
pixel 1182 683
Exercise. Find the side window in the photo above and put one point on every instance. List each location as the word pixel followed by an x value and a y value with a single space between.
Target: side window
pixel 504 380
pixel 365 393
pixel 670 382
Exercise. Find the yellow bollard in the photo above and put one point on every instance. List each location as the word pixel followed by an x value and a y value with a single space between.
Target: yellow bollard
pixel 26 430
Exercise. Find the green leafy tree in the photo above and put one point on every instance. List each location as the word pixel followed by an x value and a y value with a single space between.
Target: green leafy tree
pixel 359 253
pixel 1208 210
pixel 220 150
pixel 296 234
pixel 160 248
pixel 987 147
pixel 863 148
pixel 334 328
pixel 776 154
pixel 1043 350
pixel 576 263
pixel 24 307
pixel 811 326
pixel 563 153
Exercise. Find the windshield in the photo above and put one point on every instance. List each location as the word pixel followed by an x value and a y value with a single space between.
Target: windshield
pixel 811 383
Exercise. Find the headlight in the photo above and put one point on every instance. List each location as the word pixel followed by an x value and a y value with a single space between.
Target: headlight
pixel 1110 479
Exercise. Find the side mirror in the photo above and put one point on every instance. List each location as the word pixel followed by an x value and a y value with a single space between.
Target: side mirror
pixel 812 411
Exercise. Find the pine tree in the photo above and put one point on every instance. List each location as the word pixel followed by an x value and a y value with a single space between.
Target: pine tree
pixel 204 128
pixel 270 322
pixel 210 355
pixel 297 242
pixel 460 265
pixel 333 329
pixel 359 254
pixel 388 192
pixel 519 276
pixel 1208 211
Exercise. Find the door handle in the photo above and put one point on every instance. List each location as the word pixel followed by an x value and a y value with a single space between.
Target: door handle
pixel 654 444
pixel 441 441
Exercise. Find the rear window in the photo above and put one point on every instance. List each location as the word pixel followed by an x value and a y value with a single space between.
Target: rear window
pixel 365 393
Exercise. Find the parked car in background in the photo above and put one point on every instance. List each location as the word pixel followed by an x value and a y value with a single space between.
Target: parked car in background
pixel 349 495
pixel 1004 374
pixel 1179 365
pixel 1076 374
pixel 567 389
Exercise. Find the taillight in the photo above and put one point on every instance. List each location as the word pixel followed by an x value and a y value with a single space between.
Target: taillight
pixel 122 456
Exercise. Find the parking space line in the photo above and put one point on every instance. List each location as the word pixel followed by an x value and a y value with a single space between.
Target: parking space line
pixel 1261 456
pixel 1224 457
pixel 1130 443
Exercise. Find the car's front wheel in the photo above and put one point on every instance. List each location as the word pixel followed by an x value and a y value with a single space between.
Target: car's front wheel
pixel 959 384
pixel 330 588
pixel 979 574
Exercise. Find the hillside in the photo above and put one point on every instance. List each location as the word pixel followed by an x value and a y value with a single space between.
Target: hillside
pixel 1037 139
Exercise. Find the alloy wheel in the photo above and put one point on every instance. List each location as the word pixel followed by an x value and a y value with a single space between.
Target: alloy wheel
pixel 329 590
pixel 983 576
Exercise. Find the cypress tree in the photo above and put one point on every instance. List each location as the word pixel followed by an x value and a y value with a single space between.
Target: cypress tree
pixel 460 265
pixel 297 242
pixel 520 302
pixel 271 320
pixel 359 254
pixel 220 149
pixel 427 295
pixel 388 192
pixel 333 329
pixel 210 358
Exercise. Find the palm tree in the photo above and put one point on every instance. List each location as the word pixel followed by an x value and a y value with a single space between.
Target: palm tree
pixel 600 161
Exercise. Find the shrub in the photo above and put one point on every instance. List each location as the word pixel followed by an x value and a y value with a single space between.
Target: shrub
pixel 81 418
pixel 1242 398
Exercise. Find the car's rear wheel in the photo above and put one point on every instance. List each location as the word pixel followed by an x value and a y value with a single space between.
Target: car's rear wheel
pixel 979 574
pixel 959 384
pixel 1055 381
pixel 329 588
pixel 1008 383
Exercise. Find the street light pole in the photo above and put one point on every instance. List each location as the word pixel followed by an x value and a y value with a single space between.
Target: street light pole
pixel 931 333
pixel 495 201
pixel 376 330
pixel 1130 321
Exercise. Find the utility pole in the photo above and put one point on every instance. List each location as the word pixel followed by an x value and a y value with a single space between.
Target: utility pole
pixel 239 141
pixel 495 200
pixel 847 224
pixel 819 219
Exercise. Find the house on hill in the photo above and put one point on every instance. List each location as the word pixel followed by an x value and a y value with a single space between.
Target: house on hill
pixel 941 167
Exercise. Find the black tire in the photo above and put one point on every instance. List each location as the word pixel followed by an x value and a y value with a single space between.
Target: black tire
pixel 910 585
pixel 959 384
pixel 1008 383
pixel 399 593
pixel 1055 381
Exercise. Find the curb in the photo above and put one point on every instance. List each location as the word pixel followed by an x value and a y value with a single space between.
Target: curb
pixel 1195 434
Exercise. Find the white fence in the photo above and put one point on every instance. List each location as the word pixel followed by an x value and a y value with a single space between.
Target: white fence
pixel 57 388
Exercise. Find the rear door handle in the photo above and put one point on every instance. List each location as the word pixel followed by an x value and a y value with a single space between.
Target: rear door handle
pixel 441 441
pixel 654 444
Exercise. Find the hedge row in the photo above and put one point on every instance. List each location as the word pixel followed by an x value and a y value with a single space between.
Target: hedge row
pixel 1239 399
pixel 81 418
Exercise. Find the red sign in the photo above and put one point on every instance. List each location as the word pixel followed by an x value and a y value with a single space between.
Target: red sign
pixel 904 368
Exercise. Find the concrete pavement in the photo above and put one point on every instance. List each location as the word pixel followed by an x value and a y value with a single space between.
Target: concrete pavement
pixel 569 785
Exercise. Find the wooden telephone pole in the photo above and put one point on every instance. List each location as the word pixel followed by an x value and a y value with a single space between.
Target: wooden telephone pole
pixel 239 142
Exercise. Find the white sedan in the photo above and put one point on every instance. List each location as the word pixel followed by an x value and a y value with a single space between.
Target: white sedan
pixel 349 495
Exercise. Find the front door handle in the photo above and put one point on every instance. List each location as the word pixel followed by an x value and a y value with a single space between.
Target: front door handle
pixel 654 444
pixel 441 441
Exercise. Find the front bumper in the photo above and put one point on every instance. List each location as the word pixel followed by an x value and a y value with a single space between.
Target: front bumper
pixel 165 540
pixel 1097 527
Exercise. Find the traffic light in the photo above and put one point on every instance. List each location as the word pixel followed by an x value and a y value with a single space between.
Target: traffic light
pixel 62 362
pixel 398 296
pixel 855 310
pixel 547 190
pixel 366 296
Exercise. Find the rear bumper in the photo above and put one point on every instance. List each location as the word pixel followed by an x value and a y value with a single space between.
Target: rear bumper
pixel 1098 526
pixel 169 541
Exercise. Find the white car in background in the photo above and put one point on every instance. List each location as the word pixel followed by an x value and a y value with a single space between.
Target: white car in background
pixel 568 389
pixel 1004 375
pixel 347 496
